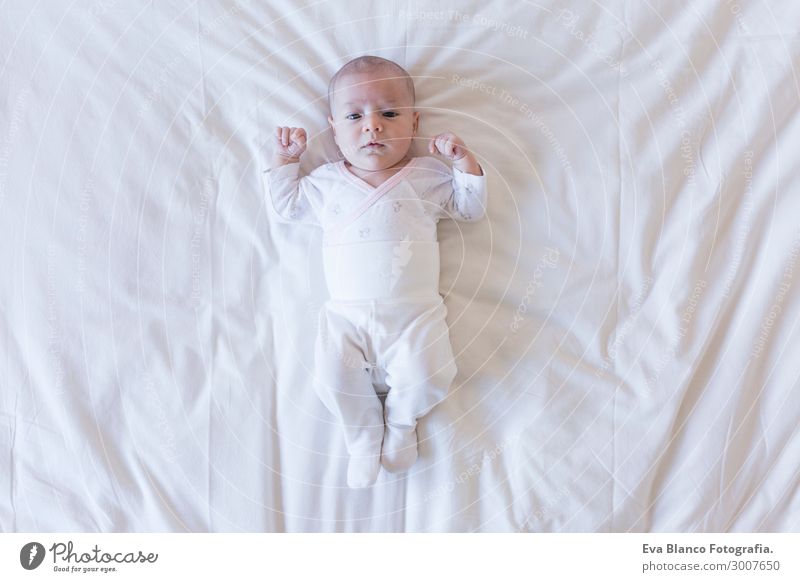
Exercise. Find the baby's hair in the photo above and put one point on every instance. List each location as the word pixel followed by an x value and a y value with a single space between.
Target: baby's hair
pixel 370 64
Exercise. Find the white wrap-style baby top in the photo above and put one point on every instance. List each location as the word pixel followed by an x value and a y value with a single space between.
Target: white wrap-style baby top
pixel 378 242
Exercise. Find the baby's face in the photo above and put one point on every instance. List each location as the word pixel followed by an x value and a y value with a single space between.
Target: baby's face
pixel 373 120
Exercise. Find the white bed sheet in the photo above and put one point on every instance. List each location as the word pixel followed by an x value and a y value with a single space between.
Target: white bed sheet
pixel 625 320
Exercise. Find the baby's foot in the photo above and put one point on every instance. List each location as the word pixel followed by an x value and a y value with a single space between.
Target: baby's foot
pixel 399 449
pixel 362 470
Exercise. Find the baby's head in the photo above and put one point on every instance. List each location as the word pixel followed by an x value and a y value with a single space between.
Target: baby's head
pixel 372 112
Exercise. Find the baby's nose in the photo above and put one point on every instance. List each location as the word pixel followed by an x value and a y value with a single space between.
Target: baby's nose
pixel 372 123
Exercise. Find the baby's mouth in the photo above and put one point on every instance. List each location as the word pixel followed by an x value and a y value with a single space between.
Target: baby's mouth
pixel 373 145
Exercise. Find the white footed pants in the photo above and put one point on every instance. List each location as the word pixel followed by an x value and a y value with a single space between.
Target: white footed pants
pixel 404 340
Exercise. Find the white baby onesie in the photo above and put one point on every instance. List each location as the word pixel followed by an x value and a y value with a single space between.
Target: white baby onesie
pixel 385 317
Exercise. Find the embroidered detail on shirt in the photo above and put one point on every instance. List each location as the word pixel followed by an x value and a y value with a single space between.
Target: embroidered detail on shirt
pixel 397 205
pixel 337 209
pixel 363 232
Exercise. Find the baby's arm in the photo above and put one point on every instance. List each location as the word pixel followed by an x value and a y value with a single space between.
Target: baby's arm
pixel 461 194
pixel 292 197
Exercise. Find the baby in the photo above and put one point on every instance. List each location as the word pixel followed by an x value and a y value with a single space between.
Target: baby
pixel 378 208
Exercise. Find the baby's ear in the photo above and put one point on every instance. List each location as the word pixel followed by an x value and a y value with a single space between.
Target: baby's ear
pixel 333 126
pixel 416 122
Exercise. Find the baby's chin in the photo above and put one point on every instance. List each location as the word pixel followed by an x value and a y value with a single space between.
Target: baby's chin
pixel 375 162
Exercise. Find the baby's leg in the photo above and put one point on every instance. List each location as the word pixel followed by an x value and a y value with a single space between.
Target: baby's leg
pixel 343 383
pixel 420 369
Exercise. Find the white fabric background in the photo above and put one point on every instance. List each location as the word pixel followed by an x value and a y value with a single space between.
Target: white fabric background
pixel 625 320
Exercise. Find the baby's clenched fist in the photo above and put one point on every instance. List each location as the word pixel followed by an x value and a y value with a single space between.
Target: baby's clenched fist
pixel 453 148
pixel 449 145
pixel 290 142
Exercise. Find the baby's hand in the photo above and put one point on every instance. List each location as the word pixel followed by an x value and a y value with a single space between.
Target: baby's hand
pixel 290 142
pixel 448 145
pixel 453 148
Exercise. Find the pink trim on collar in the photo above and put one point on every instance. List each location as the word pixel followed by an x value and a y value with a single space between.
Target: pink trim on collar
pixel 375 193
pixel 388 184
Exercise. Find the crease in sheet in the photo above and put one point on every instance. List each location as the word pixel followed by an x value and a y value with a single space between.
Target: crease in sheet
pixel 209 419
pixel 620 59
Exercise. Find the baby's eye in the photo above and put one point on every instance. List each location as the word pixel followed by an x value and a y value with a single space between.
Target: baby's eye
pixel 390 114
pixel 352 116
